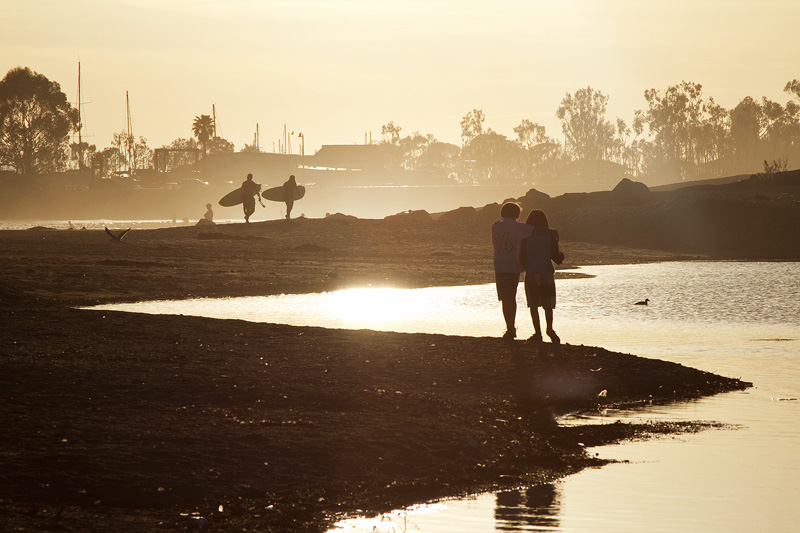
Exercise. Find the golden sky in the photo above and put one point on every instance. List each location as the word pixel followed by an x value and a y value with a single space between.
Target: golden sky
pixel 337 69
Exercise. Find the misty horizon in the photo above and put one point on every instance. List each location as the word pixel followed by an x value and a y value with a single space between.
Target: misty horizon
pixel 421 66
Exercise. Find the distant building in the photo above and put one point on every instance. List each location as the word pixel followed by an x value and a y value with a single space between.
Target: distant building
pixel 331 165
pixel 366 157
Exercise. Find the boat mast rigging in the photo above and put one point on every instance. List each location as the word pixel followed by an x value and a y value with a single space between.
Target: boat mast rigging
pixel 131 147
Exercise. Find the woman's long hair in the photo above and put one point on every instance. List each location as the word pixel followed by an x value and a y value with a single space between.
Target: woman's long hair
pixel 537 219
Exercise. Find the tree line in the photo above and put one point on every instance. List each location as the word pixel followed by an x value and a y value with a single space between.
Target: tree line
pixel 680 134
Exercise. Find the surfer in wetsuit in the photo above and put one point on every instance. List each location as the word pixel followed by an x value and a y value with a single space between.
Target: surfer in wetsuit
pixel 289 194
pixel 250 191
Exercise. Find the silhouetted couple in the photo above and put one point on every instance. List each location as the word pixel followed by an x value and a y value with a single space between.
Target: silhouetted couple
pixel 533 248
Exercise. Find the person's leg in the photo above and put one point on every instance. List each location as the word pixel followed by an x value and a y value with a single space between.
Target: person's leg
pixel 510 313
pixel 289 206
pixel 537 326
pixel 548 316
pixel 507 295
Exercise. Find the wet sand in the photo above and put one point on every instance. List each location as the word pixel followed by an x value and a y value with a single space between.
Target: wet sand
pixel 124 422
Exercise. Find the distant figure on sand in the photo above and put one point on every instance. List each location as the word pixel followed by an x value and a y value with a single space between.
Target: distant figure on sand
pixel 507 236
pixel 208 218
pixel 537 254
pixel 250 191
pixel 289 193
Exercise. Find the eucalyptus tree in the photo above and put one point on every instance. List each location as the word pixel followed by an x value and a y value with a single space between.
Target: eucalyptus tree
pixel 674 120
pixel 391 143
pixel 493 158
pixel 747 120
pixel 782 129
pixel 587 133
pixel 793 88
pixel 412 148
pixel 391 133
pixel 529 134
pixel 35 122
pixel 543 152
pixel 472 125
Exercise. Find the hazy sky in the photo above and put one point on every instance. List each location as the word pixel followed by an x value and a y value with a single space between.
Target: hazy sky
pixel 336 70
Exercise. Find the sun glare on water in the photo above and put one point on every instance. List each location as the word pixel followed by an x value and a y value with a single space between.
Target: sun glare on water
pixel 363 307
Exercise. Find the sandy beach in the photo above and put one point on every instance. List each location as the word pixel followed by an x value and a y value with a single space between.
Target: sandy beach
pixel 126 422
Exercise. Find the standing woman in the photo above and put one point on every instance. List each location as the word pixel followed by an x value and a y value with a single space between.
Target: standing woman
pixel 537 254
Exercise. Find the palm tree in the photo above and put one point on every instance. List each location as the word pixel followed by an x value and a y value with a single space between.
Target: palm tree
pixel 203 129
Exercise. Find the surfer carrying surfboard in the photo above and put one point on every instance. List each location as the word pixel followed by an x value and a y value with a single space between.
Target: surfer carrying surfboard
pixel 250 191
pixel 289 194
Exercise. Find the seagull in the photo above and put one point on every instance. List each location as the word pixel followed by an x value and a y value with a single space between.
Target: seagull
pixel 117 236
pixel 643 302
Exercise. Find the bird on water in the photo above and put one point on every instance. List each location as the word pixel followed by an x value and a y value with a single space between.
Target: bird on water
pixel 643 302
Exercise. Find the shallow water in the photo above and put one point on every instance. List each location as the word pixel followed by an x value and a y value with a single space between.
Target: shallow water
pixel 735 319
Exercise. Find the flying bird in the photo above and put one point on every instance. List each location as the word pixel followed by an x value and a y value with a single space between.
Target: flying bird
pixel 117 236
pixel 643 302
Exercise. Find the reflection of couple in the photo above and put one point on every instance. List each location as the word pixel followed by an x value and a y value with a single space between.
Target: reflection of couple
pixel 531 247
pixel 535 508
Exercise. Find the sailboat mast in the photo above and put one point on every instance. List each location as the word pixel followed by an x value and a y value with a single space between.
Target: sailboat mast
pixel 131 147
pixel 80 121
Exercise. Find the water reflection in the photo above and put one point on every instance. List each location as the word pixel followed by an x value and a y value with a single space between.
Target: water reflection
pixel 536 508
pixel 734 319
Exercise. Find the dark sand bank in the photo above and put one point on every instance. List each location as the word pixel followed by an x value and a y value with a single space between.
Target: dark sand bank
pixel 124 422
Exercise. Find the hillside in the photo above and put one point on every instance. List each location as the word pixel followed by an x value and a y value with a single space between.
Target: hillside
pixel 754 218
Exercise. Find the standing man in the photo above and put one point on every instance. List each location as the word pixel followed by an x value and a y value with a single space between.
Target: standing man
pixel 507 236
pixel 250 191
pixel 289 194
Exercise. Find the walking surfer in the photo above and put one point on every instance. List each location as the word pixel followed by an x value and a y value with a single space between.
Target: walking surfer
pixel 289 194
pixel 250 191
